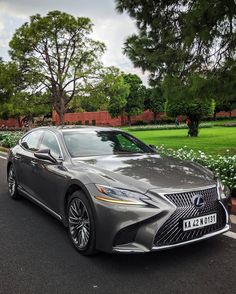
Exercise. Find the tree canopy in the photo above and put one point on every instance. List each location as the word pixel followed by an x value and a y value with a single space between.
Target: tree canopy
pixel 191 43
pixel 136 97
pixel 179 37
pixel 154 101
pixel 56 55
pixel 130 98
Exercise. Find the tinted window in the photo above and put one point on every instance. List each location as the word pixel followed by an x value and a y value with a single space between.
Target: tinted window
pixel 31 141
pixel 102 143
pixel 49 141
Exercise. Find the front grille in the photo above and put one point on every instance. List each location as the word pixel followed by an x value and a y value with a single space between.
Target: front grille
pixel 172 230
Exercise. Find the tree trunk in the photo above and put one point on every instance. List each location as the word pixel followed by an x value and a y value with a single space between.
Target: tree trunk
pixel 193 126
pixel 62 118
pixel 59 106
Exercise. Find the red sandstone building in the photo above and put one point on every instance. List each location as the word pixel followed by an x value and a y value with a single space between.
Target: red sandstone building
pixel 102 118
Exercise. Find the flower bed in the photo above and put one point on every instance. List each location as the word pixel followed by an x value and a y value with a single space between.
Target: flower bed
pixel 165 127
pixel 9 139
pixel 223 166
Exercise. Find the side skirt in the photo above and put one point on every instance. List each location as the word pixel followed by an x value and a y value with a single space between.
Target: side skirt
pixel 39 203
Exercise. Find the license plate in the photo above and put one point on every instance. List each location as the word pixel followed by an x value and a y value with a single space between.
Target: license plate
pixel 199 222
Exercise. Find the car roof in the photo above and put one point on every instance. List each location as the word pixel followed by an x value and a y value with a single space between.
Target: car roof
pixel 81 129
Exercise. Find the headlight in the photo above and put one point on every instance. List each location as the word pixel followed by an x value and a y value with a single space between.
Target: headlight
pixel 120 196
pixel 223 190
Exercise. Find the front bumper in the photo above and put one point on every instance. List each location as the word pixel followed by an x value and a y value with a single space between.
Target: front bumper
pixel 135 229
pixel 137 248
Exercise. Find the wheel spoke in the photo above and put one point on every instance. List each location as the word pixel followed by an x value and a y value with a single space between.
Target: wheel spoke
pixel 74 209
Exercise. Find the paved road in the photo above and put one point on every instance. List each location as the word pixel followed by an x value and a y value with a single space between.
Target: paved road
pixel 36 256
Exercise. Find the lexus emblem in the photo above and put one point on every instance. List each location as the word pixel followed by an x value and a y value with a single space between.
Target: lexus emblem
pixel 198 201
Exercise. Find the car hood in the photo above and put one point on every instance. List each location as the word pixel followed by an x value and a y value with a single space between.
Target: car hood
pixel 147 171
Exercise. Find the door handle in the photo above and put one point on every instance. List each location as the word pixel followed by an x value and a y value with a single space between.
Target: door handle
pixel 34 162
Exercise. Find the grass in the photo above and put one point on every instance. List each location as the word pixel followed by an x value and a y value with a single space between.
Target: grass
pixel 214 140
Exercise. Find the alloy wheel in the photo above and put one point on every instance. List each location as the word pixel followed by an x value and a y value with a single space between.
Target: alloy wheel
pixel 11 181
pixel 79 223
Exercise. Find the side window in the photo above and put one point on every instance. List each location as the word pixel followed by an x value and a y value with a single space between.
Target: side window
pixel 49 141
pixel 31 141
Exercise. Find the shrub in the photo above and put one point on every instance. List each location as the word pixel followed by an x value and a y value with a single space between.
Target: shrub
pixel 140 123
pixel 223 166
pixel 9 139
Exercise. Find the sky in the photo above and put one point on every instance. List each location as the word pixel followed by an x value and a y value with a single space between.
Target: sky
pixel 110 27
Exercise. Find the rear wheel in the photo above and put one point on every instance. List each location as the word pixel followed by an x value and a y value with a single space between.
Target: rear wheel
pixel 12 183
pixel 81 223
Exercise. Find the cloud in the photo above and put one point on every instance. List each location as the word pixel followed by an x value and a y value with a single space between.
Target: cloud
pixel 109 26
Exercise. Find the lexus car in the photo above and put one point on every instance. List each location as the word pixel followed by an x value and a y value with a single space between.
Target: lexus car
pixel 115 193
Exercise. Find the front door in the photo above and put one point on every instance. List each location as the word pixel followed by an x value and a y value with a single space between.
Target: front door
pixel 50 176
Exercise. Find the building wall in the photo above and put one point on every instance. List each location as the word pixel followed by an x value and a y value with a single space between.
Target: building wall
pixel 10 123
pixel 227 114
pixel 102 118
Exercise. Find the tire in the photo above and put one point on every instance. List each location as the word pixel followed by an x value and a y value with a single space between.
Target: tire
pixel 81 224
pixel 12 183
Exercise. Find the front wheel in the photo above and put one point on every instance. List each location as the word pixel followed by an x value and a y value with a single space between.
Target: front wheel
pixel 81 223
pixel 12 183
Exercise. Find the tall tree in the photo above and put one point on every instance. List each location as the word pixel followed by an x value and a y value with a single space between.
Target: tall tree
pixel 154 101
pixel 15 100
pixel 56 55
pixel 178 38
pixel 195 107
pixel 116 90
pixel 136 97
pixel 9 78
pixel 100 95
pixel 223 84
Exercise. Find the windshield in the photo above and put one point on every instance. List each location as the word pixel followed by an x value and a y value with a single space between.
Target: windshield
pixel 94 143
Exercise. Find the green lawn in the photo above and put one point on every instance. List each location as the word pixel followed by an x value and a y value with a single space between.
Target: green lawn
pixel 214 140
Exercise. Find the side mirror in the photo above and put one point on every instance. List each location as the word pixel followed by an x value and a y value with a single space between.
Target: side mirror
pixel 154 148
pixel 45 154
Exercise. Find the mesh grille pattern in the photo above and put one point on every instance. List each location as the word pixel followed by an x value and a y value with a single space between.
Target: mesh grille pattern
pixel 185 199
pixel 172 230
